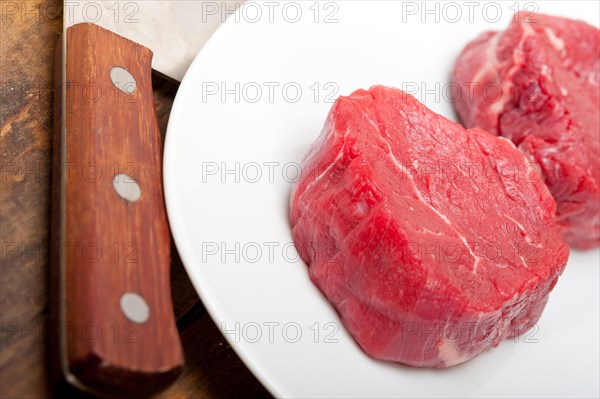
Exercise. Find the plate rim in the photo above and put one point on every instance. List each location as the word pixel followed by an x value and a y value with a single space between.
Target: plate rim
pixel 176 232
pixel 177 224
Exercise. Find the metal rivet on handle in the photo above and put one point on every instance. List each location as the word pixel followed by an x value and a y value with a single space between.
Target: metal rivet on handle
pixel 134 307
pixel 123 80
pixel 127 187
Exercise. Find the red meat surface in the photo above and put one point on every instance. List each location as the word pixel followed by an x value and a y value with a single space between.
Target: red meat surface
pixel 538 84
pixel 433 243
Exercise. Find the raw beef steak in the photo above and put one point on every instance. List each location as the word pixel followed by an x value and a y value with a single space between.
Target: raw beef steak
pixel 433 242
pixel 538 84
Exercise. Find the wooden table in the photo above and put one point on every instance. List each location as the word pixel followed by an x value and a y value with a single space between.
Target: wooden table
pixel 29 31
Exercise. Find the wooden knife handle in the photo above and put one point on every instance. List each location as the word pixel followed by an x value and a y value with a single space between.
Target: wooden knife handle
pixel 118 330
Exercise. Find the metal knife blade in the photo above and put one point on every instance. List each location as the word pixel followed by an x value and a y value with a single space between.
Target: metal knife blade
pixel 174 30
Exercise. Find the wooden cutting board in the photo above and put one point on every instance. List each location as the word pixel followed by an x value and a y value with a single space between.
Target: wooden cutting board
pixel 29 31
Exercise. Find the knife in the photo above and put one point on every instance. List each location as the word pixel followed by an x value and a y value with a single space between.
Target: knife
pixel 110 235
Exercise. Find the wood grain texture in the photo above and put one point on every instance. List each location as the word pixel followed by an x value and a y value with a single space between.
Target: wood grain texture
pixel 110 246
pixel 184 294
pixel 28 36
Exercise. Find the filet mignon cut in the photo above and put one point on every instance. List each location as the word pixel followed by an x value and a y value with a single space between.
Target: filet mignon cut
pixel 434 243
pixel 538 84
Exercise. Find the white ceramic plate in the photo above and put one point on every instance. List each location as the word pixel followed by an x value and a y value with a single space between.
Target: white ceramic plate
pixel 230 160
